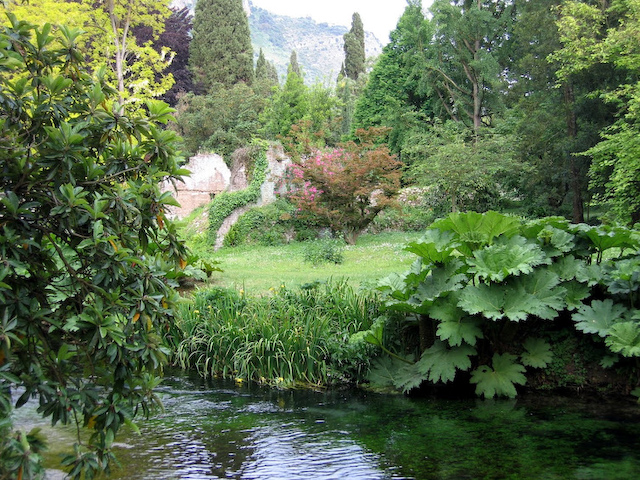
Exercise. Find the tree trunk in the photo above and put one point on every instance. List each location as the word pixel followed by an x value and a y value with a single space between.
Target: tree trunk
pixel 426 332
pixel 574 170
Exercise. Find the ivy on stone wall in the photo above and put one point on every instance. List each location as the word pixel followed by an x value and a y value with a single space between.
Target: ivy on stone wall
pixel 225 203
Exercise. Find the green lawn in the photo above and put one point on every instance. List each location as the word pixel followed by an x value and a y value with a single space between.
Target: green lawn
pixel 256 269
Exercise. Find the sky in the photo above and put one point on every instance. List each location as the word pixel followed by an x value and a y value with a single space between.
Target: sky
pixel 378 16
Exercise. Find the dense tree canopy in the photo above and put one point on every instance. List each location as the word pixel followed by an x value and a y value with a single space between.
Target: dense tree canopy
pixel 136 69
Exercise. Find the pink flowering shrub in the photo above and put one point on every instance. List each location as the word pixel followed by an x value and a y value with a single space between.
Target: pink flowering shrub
pixel 345 188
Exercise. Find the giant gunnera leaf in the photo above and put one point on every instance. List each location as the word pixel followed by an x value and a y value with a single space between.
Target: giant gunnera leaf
pixel 436 246
pixel 501 379
pixel 464 330
pixel 598 317
pixel 537 294
pixel 508 256
pixel 474 230
pixel 439 363
pixel 537 353
pixel 624 338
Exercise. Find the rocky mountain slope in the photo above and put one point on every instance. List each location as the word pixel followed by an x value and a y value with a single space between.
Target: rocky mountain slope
pixel 319 46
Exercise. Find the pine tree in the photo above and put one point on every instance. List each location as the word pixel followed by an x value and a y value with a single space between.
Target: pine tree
pixel 221 49
pixel 354 48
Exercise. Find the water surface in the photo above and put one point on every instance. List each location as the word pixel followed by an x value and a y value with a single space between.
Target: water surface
pixel 217 430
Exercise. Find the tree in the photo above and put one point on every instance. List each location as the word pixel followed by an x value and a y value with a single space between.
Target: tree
pixel 221 50
pixel 473 169
pixel 463 68
pixel 176 37
pixel 85 297
pixel 599 36
pixel 392 96
pixel 289 105
pixel 266 76
pixel 220 122
pixel 294 67
pixel 354 63
pixel 344 189
pixel 135 69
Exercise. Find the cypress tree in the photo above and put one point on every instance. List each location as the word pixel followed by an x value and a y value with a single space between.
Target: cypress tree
pixel 221 49
pixel 293 64
pixel 354 62
pixel 261 67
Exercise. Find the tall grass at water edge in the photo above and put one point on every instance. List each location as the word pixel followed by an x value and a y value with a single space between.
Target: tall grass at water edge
pixel 287 338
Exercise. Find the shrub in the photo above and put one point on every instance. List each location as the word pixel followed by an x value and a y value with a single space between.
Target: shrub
pixel 324 250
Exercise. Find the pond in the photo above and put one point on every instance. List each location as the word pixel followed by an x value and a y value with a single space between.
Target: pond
pixel 218 430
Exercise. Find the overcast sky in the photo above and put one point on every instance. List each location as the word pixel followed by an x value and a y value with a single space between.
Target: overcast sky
pixel 378 16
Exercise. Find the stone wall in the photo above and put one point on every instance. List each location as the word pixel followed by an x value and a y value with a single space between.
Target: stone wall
pixel 209 176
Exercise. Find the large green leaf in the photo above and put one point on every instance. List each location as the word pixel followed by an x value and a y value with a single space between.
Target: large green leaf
pixel 543 287
pixel 598 317
pixel 487 300
pixel 605 237
pixel 566 267
pixel 439 363
pixel 509 256
pixel 501 379
pixel 624 338
pixel 464 330
pixel 624 278
pixel 537 353
pixel 576 292
pixel 435 246
pixel 475 230
pixel 384 370
pixel 441 281
pixel 556 241
pixel 537 294
pixel 408 377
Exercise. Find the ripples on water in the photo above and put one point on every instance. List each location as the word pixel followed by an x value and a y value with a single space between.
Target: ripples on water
pixel 211 431
pixel 242 436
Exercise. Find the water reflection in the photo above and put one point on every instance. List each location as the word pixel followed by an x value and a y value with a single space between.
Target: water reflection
pixel 217 431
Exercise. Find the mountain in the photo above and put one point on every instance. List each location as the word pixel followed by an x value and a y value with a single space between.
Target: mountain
pixel 319 46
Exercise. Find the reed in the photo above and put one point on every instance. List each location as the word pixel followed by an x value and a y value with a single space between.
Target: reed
pixel 287 338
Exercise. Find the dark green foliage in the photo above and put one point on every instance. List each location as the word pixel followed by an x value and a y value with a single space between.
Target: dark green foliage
pixel 294 67
pixel 287 107
pixel 222 121
pixel 483 283
pixel 220 51
pixel 391 96
pixel 177 37
pixel 87 252
pixel 324 250
pixel 354 56
pixel 273 224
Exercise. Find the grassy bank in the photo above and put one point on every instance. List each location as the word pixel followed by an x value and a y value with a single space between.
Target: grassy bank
pixel 256 269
